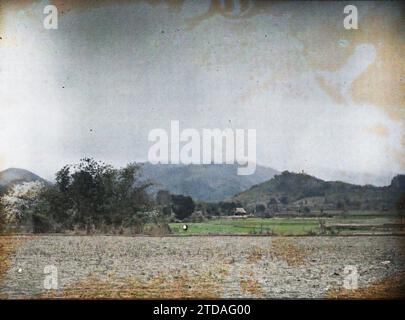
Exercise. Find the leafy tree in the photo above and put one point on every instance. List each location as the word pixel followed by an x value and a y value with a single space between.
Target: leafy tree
pixel 212 209
pixel 284 200
pixel 127 196
pixel 260 208
pixel 163 200
pixel 182 206
pixel 273 205
pixel 340 205
pixel 93 193
pixel 228 208
pixel 167 211
pixel 400 203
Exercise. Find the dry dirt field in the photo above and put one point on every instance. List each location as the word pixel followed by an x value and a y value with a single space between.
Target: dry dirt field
pixel 201 267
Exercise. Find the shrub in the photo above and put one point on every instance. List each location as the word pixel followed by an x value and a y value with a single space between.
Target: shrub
pixel 196 217
pixel 182 206
pixel 160 229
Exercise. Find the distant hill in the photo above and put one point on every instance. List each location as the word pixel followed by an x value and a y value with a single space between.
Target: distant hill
pixel 211 182
pixel 14 176
pixel 293 189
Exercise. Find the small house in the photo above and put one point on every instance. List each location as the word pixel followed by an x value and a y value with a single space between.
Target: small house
pixel 240 211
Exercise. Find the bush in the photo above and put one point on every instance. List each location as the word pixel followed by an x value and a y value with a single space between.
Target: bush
pixel 167 211
pixel 135 224
pixel 196 217
pixel 182 206
pixel 160 229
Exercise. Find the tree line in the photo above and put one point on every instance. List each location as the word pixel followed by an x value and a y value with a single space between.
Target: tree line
pixel 88 195
pixel 92 196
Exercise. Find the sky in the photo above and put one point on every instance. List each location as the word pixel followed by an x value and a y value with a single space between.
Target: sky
pixel 322 99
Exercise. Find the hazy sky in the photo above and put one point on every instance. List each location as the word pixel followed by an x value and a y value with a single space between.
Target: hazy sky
pixel 323 99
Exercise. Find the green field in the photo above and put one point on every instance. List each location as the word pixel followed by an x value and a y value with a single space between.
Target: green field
pixel 275 226
pixel 283 226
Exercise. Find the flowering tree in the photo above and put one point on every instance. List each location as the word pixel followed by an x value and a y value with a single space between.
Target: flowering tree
pixel 20 202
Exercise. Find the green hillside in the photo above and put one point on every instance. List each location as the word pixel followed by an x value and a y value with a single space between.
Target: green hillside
pixel 297 190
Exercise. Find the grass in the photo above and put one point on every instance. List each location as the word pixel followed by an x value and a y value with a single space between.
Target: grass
pixel 275 226
pixel 282 226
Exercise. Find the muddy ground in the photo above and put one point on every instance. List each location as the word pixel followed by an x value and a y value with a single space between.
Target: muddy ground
pixel 200 267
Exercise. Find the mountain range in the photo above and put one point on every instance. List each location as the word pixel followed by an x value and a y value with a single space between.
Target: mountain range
pixel 210 183
pixel 298 189
pixel 219 182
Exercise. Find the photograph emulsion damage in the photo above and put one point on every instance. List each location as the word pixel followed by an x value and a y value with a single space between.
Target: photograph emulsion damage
pixel 202 149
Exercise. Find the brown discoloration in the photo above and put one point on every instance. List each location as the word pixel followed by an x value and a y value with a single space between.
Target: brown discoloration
pixel 332 90
pixel 290 252
pixel 382 83
pixel 251 287
pixel 400 157
pixel 379 130
pixel 255 255
pixel 204 286
pixel 389 288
